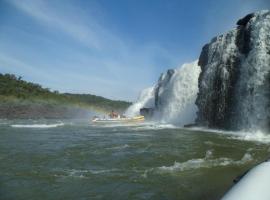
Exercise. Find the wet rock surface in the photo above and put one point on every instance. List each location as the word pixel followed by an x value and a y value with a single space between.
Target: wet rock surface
pixel 233 86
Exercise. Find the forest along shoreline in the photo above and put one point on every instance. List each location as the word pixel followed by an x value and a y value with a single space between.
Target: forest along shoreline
pixel 20 99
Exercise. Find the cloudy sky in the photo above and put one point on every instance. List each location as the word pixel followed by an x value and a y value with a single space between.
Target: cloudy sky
pixel 112 48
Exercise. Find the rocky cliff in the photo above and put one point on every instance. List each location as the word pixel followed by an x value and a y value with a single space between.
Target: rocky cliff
pixel 235 79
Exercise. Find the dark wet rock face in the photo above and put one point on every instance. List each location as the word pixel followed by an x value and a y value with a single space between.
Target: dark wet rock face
pixel 162 82
pixel 233 88
pixel 218 77
pixel 245 20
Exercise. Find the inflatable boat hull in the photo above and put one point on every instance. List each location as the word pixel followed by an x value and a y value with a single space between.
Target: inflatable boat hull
pixel 255 185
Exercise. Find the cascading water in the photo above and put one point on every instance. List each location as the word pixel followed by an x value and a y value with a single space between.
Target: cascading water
pixel 235 79
pixel 145 100
pixel 218 61
pixel 233 83
pixel 173 98
pixel 254 81
pixel 176 94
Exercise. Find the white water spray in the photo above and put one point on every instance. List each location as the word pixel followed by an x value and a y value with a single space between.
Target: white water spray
pixel 253 87
pixel 175 93
pixel 145 99
pixel 178 96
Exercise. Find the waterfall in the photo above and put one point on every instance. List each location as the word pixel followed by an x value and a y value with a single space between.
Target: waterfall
pixel 254 82
pixel 227 88
pixel 145 100
pixel 173 97
pixel 235 79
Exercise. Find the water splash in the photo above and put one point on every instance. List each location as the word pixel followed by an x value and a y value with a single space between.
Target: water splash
pixel 253 86
pixel 176 97
pixel 207 162
pixel 173 97
pixel 235 79
pixel 145 99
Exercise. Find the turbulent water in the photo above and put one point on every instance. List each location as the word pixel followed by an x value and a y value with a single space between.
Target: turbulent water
pixel 77 160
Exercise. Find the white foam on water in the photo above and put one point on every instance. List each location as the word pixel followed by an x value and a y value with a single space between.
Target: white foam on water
pixel 77 173
pixel 207 162
pixel 82 173
pixel 117 125
pixel 256 136
pixel 37 125
pixel 104 171
pixel 208 130
pixel 119 147
pixel 154 126
pixel 253 136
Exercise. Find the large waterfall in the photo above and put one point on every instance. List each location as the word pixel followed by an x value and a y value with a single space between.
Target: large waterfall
pixel 235 80
pixel 176 93
pixel 230 85
pixel 254 80
pixel 173 97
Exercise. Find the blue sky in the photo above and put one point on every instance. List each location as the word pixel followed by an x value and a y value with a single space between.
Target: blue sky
pixel 112 48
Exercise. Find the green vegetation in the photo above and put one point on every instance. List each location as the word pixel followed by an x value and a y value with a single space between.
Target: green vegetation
pixel 16 92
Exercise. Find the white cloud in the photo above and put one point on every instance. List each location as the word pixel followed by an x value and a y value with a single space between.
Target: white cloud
pixel 117 65
pixel 49 16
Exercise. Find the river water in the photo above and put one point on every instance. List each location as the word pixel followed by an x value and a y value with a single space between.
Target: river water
pixel 76 160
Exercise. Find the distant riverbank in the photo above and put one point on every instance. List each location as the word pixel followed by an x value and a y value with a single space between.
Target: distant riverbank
pixel 26 109
pixel 22 99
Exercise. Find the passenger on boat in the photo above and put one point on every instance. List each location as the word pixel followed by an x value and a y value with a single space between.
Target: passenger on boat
pixel 113 114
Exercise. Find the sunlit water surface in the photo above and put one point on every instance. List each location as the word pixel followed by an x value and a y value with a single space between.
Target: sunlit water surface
pixel 76 160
